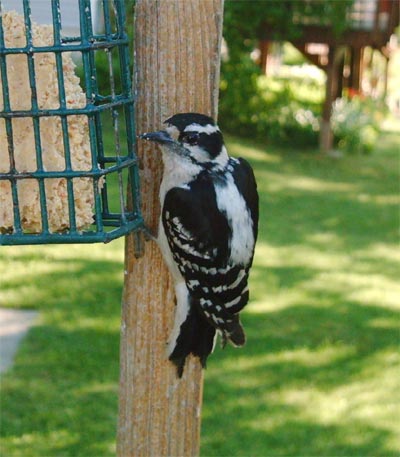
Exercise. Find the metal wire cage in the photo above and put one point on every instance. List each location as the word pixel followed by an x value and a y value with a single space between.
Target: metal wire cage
pixel 67 143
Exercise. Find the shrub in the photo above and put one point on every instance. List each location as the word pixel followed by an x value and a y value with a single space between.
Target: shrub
pixel 356 123
pixel 277 110
pixel 285 110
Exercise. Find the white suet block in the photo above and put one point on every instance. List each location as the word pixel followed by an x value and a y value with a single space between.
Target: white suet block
pixel 51 135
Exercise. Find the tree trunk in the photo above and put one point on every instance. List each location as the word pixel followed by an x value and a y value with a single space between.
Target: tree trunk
pixel 331 93
pixel 177 53
pixel 356 68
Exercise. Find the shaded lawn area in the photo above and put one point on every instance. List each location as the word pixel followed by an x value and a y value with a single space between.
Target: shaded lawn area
pixel 320 373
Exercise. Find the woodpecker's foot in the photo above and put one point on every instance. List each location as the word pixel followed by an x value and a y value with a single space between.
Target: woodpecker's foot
pixel 144 233
pixel 224 340
pixel 148 234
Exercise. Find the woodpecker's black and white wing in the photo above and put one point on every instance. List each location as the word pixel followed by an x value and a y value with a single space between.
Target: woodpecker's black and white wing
pixel 245 182
pixel 211 228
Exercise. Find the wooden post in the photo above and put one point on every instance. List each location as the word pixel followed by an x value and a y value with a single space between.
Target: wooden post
pixel 177 53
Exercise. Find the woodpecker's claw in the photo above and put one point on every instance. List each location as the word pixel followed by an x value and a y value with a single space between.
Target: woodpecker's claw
pixel 143 233
pixel 148 234
pixel 224 340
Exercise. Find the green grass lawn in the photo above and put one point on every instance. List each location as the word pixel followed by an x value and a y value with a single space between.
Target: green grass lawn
pixel 320 373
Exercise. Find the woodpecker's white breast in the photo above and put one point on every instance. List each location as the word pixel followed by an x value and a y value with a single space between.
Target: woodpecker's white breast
pixel 231 203
pixel 177 173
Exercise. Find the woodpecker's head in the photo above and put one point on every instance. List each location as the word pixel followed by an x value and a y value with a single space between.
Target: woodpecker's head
pixel 193 137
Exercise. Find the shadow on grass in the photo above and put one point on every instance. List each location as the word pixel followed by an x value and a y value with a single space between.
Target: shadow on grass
pixel 263 390
pixel 295 207
pixel 65 399
pixel 61 396
pixel 85 284
pixel 314 440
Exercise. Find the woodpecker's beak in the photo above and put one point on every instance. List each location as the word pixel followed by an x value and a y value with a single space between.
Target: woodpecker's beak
pixel 161 137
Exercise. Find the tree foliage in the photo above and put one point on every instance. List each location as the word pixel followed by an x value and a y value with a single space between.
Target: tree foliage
pixel 245 24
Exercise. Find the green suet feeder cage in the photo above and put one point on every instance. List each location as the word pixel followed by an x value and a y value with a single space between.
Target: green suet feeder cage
pixel 68 168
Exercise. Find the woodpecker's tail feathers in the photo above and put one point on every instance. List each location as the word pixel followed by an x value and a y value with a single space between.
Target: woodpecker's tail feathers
pixel 196 336
pixel 234 333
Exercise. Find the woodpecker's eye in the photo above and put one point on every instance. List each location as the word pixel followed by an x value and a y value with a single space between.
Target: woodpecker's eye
pixel 190 138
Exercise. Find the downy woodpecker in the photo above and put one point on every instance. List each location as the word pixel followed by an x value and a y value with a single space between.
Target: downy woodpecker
pixel 207 232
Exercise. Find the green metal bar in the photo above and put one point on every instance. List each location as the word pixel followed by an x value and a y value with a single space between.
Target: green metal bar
pixel 133 173
pixel 92 91
pixel 55 4
pixel 9 132
pixel 96 169
pixel 71 173
pixel 120 16
pixel 85 41
pixel 133 180
pixel 115 121
pixel 101 44
pixel 108 34
pixel 107 18
pixel 114 111
pixel 102 160
pixel 35 120
pixel 119 101
pixel 77 237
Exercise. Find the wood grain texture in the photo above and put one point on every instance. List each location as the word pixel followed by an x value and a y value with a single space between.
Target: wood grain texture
pixel 177 51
